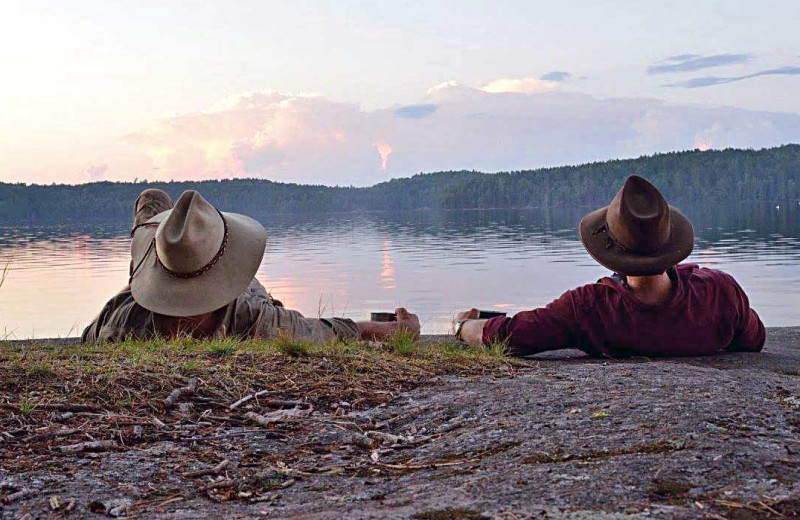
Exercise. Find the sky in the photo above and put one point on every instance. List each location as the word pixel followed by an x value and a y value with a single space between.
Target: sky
pixel 354 93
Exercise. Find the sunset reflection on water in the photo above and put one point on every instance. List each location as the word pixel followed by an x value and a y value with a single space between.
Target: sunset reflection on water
pixel 351 265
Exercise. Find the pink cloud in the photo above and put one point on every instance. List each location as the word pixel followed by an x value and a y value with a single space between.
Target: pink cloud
pixel 513 125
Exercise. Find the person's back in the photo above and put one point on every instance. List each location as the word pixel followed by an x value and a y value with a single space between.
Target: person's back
pixel 706 313
pixel 654 309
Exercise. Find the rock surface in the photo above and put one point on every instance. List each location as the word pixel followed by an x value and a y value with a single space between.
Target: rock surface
pixel 570 438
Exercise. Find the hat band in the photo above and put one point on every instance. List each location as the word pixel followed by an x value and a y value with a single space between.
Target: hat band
pixel 194 274
pixel 611 241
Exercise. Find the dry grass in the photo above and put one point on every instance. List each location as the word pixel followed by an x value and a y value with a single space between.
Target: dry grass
pixel 4 272
pixel 142 371
pixel 107 390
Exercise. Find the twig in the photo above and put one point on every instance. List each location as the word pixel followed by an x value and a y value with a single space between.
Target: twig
pixel 221 484
pixel 282 403
pixel 278 416
pixel 19 495
pixel 88 446
pixel 247 398
pixel 387 437
pixel 178 393
pixel 431 465
pixel 57 406
pixel 50 435
pixel 216 470
pixel 259 419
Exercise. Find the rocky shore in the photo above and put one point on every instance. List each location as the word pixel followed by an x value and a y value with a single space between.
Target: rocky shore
pixel 563 436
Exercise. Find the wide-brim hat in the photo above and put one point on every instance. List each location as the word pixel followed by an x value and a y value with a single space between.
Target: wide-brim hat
pixel 194 259
pixel 638 234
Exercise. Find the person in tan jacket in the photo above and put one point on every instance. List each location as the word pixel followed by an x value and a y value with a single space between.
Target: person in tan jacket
pixel 192 273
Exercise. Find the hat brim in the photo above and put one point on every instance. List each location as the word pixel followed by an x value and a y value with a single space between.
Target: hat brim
pixel 156 290
pixel 679 245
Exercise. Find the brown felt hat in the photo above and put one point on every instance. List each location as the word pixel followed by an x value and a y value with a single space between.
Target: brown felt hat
pixel 638 234
pixel 194 259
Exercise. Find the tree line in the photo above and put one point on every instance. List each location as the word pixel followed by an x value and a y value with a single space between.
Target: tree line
pixel 721 177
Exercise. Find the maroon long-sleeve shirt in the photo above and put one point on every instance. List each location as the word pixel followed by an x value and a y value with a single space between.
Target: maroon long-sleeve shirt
pixel 707 313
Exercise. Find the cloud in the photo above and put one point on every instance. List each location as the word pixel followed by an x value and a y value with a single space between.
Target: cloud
pixel 710 81
pixel 312 139
pixel 96 172
pixel 415 111
pixel 518 86
pixel 556 75
pixel 692 62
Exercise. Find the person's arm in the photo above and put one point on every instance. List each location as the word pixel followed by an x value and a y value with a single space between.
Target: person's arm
pixel 274 321
pixel 750 332
pixel 379 331
pixel 111 324
pixel 552 327
pixel 469 328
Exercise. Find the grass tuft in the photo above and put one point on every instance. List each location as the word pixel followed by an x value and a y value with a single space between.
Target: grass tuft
pixel 40 369
pixel 223 347
pixel 26 406
pixel 293 347
pixel 403 343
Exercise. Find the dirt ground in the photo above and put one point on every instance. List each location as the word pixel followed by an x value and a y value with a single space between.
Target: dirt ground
pixel 564 437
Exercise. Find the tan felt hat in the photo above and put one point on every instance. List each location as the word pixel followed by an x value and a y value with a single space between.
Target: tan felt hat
pixel 194 259
pixel 638 234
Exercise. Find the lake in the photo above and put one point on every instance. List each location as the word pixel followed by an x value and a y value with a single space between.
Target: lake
pixel 434 263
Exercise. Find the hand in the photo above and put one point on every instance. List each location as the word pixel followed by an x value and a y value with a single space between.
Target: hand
pixel 407 321
pixel 381 330
pixel 471 314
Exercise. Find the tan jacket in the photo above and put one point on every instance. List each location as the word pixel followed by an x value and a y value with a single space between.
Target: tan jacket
pixel 253 314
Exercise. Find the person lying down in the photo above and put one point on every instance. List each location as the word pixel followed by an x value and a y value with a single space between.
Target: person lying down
pixel 651 306
pixel 193 274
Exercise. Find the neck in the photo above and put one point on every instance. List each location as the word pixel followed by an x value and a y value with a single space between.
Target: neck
pixel 651 289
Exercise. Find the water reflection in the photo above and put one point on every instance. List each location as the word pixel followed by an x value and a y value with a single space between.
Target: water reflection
pixel 432 262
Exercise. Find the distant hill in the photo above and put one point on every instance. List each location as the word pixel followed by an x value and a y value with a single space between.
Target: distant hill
pixel 722 177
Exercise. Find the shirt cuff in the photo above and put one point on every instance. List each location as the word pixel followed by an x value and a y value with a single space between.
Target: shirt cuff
pixel 345 329
pixel 495 330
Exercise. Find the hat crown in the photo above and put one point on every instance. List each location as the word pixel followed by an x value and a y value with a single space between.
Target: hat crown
pixel 191 236
pixel 638 218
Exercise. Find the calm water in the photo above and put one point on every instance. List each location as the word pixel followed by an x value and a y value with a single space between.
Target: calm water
pixel 432 263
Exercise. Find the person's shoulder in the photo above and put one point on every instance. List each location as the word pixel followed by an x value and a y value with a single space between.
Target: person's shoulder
pixel 602 288
pixel 123 298
pixel 694 275
pixel 694 271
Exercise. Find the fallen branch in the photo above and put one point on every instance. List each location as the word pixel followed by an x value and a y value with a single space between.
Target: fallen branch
pixel 178 393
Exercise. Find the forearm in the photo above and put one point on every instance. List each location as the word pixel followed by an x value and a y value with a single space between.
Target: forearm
pixel 378 330
pixel 472 332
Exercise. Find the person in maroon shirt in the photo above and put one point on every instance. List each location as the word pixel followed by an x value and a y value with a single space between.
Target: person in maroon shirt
pixel 651 306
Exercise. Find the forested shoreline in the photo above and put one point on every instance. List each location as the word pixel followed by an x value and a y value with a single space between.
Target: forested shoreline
pixel 723 177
